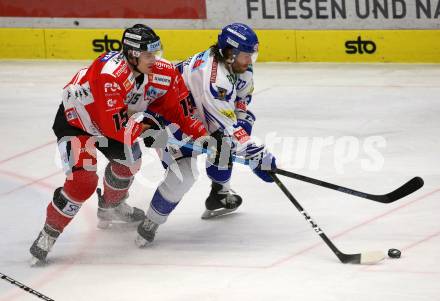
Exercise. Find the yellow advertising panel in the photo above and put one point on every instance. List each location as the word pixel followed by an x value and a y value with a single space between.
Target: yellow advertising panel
pixel 22 43
pixel 81 44
pixel 277 45
pixel 408 46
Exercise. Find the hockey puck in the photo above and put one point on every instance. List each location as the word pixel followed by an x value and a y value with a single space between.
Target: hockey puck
pixel 394 253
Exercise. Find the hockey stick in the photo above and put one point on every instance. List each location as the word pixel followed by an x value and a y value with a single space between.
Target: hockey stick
pixel 24 287
pixel 371 257
pixel 409 187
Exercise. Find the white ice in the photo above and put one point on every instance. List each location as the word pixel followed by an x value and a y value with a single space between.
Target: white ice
pixel 265 251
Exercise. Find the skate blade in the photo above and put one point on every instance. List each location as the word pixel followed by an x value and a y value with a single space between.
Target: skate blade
pixel 117 225
pixel 214 213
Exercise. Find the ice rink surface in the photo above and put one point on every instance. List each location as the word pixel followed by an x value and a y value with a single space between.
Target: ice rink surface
pixel 265 251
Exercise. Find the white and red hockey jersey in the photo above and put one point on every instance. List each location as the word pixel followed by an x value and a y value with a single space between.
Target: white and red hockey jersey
pixel 99 99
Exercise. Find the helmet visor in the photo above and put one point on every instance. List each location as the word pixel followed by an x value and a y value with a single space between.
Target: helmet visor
pixel 247 57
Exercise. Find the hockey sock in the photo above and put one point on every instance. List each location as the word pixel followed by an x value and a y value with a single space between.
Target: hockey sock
pixel 118 179
pixel 67 200
pixel 160 208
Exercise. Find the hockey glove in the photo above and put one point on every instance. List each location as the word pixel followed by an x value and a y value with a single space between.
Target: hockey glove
pixel 220 148
pixel 246 120
pixel 262 163
pixel 155 135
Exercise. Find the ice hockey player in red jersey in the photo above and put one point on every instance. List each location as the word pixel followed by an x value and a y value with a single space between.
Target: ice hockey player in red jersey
pixel 102 108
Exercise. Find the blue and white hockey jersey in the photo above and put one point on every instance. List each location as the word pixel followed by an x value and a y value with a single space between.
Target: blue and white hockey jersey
pixel 218 96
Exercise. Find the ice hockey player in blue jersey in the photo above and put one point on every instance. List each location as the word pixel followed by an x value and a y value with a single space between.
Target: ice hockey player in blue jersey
pixel 220 81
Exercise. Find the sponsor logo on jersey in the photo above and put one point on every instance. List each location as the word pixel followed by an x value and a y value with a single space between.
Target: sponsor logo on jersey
pixel 111 102
pixel 71 114
pixel 213 77
pixel 161 65
pixel 240 105
pixel 241 135
pixel 128 83
pixel 154 93
pixel 161 79
pixel 122 69
pixel 229 114
pixel 113 87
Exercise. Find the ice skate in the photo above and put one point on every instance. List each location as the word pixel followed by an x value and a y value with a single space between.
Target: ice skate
pixel 146 232
pixel 42 245
pixel 116 214
pixel 221 201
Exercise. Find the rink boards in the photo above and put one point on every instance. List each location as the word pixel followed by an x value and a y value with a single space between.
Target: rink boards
pixel 407 46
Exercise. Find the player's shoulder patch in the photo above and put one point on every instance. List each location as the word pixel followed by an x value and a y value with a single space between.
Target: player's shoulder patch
pixel 106 57
pixel 200 61
pixel 116 66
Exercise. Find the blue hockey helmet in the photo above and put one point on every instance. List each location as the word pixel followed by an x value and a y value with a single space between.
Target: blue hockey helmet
pixel 239 37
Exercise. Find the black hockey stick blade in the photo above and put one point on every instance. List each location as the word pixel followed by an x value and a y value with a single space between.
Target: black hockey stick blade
pixel 404 190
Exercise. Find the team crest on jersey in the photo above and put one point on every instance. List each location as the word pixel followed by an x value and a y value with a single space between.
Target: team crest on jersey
pixel 222 93
pixel 154 93
pixel 163 80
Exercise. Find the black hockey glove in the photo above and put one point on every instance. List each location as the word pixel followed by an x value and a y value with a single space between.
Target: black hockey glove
pixel 156 136
pixel 219 146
